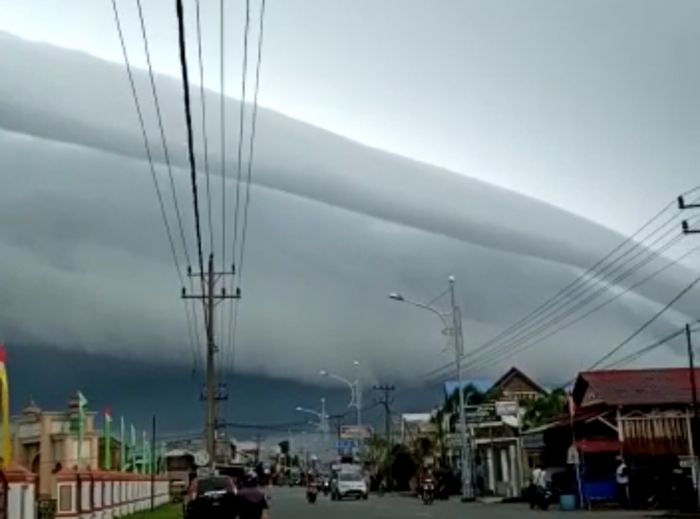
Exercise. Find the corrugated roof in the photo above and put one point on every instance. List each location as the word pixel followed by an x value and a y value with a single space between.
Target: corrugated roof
pixel 637 386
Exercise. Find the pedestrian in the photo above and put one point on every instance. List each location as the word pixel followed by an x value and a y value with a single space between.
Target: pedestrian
pixel 622 479
pixel 251 502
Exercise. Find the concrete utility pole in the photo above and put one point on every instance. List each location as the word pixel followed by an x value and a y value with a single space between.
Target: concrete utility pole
pixel 386 400
pixel 454 330
pixel 465 451
pixel 694 403
pixel 214 392
pixel 694 444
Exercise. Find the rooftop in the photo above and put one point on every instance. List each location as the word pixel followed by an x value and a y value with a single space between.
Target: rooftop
pixel 664 386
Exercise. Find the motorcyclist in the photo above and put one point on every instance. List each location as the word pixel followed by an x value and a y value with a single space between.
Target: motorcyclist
pixel 251 501
pixel 311 485
pixel 538 487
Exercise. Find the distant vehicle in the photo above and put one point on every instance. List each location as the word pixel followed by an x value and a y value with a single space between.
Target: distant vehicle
pixel 210 497
pixel 350 484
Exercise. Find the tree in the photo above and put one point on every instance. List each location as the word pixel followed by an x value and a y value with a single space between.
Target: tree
pixel 403 466
pixel 377 451
pixel 545 408
pixel 472 396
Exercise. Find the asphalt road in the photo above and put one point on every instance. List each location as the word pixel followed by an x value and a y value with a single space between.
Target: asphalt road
pixel 289 503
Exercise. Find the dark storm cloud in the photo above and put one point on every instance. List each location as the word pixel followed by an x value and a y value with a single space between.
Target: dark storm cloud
pixel 333 227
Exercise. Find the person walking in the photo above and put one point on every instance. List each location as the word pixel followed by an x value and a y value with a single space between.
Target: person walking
pixel 622 479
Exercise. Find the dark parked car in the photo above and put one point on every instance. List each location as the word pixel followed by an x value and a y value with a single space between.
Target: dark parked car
pixel 210 497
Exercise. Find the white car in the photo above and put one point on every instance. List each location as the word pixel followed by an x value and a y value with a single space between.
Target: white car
pixel 350 484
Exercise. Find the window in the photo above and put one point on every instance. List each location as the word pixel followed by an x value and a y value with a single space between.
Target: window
pixel 65 498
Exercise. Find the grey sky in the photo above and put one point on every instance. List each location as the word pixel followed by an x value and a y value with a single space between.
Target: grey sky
pixel 588 108
pixel 588 105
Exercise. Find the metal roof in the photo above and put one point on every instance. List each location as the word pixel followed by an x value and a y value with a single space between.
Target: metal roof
pixel 663 386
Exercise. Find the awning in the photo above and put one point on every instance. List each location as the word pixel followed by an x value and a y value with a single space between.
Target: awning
pixel 598 445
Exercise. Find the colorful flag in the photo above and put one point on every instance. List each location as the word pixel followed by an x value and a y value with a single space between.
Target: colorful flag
pixel 163 464
pixel 133 448
pixel 122 445
pixel 82 404
pixel 144 454
pixel 108 439
pixel 5 402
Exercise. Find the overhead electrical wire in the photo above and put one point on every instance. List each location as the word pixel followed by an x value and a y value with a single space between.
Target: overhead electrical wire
pixel 545 331
pixel 154 177
pixel 552 315
pixel 239 161
pixel 204 128
pixel 190 136
pixel 644 350
pixel 481 363
pixel 552 308
pixel 241 124
pixel 563 292
pixel 222 130
pixel 163 140
pixel 249 174
pixel 645 325
pixel 166 156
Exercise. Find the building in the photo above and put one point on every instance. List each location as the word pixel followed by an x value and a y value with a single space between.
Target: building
pixel 515 386
pixel 47 441
pixel 493 425
pixel 642 415
pixel 415 426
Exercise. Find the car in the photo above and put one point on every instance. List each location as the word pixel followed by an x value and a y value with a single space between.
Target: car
pixel 350 484
pixel 210 497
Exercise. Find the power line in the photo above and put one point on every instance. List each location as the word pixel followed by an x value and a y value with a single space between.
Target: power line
pixel 241 123
pixel 204 128
pixel 190 138
pixel 249 174
pixel 597 307
pixel 552 316
pixel 239 156
pixel 163 140
pixel 645 325
pixel 222 129
pixel 646 349
pixel 501 353
pixel 581 278
pixel 166 155
pixel 149 156
pixel 574 290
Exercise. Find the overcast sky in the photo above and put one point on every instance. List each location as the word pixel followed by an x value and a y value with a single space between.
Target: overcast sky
pixel 588 106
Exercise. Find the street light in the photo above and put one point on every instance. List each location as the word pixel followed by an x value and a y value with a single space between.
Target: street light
pixel 455 331
pixel 323 421
pixel 355 388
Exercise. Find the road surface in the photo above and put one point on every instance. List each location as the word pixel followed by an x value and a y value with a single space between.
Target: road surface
pixel 290 503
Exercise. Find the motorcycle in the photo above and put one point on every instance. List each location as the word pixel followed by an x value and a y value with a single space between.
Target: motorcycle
pixel 541 498
pixel 326 487
pixel 428 492
pixel 311 493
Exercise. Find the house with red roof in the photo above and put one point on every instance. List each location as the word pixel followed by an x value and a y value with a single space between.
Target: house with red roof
pixel 641 415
